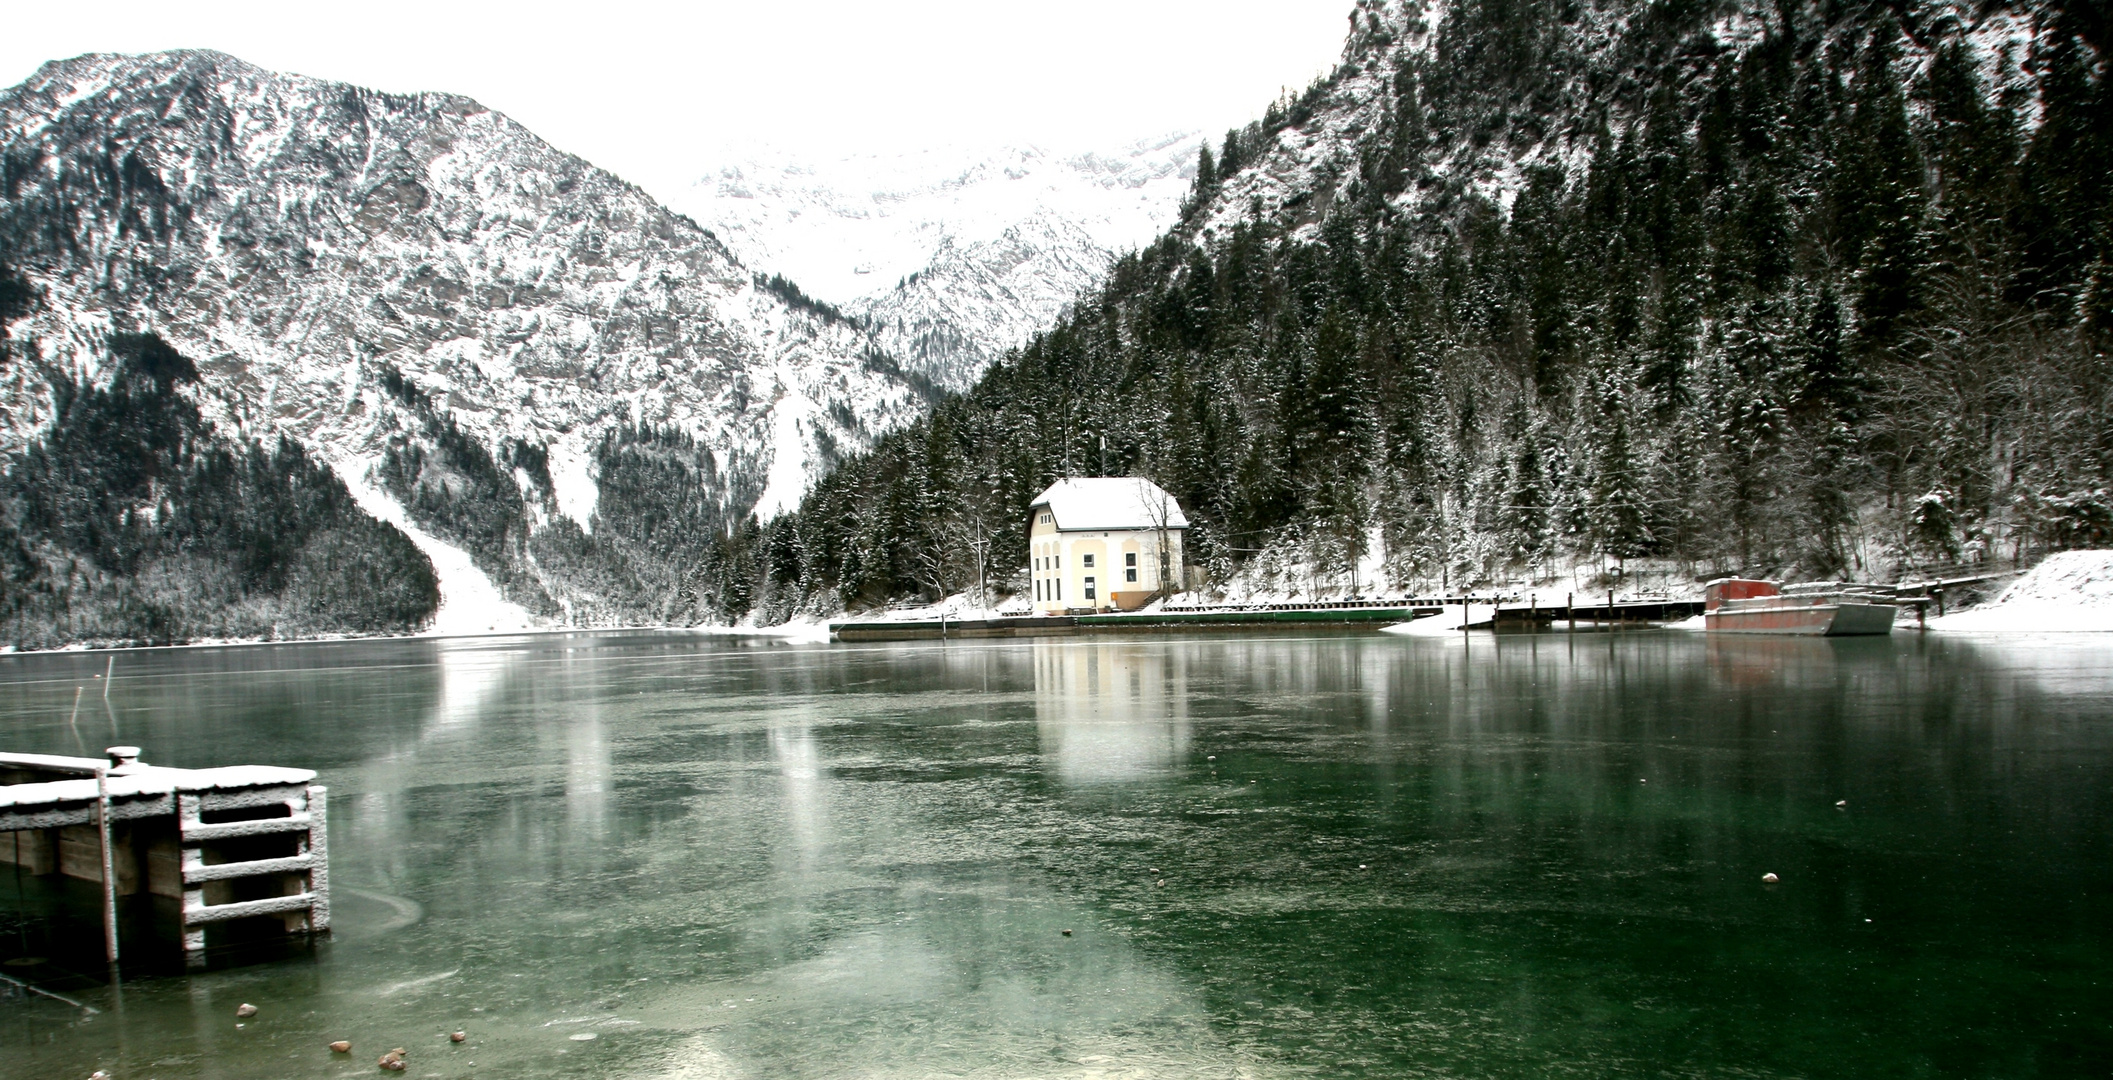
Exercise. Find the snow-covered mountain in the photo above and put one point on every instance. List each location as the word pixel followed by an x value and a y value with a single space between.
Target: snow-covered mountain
pixel 298 237
pixel 952 254
pixel 359 271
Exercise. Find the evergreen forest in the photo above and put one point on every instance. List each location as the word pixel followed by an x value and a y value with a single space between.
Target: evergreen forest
pixel 129 521
pixel 1833 301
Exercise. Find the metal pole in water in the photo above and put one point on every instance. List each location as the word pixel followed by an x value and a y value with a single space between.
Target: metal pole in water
pixel 102 828
pixel 106 676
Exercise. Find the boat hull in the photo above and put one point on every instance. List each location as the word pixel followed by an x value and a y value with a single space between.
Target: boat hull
pixel 1829 619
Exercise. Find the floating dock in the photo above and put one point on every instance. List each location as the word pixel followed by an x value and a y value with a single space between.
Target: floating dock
pixel 1336 613
pixel 1485 614
pixel 246 842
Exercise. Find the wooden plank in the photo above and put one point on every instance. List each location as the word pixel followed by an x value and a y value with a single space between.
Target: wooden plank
pixel 243 798
pixel 203 872
pixel 319 854
pixel 274 905
pixel 203 833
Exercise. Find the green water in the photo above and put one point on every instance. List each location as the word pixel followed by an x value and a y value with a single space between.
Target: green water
pixel 1319 855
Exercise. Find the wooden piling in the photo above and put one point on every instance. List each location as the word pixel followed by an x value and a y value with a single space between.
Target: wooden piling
pixel 102 828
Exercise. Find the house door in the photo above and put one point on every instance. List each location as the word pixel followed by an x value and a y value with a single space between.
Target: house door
pixel 1090 594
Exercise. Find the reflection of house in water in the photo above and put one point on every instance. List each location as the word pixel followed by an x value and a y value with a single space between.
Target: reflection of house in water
pixel 1111 712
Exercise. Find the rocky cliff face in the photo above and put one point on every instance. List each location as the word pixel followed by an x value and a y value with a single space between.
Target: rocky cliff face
pixel 312 245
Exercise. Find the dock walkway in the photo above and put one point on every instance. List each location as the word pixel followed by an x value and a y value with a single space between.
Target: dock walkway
pixel 1507 612
pixel 230 843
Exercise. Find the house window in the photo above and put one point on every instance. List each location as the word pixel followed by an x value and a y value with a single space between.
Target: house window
pixel 1048 519
pixel 1129 573
pixel 1129 558
pixel 1089 585
pixel 1089 560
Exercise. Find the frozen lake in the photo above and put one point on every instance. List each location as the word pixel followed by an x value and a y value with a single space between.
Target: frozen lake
pixel 666 855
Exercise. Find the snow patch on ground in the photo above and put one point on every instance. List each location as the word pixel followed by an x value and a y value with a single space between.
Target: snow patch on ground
pixel 1449 620
pixel 469 602
pixel 800 630
pixel 2070 592
pixel 572 479
pixel 961 605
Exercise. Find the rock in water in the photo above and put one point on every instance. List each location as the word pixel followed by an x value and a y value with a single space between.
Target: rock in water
pixel 1769 879
pixel 245 1010
pixel 458 1036
pixel 341 1047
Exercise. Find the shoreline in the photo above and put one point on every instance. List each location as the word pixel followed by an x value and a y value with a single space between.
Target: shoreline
pixel 1984 621
pixel 789 632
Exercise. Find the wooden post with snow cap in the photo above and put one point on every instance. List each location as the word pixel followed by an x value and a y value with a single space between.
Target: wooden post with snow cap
pixel 102 830
pixel 318 851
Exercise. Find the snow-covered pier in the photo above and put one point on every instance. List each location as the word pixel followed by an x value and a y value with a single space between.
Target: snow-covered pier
pixel 240 843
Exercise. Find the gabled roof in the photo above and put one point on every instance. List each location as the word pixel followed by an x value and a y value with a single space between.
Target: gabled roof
pixel 1111 502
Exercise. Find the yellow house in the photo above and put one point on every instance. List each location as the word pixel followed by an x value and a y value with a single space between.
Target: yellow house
pixel 1103 543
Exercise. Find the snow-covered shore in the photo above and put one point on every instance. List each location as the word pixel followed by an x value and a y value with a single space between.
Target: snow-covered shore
pixel 2069 592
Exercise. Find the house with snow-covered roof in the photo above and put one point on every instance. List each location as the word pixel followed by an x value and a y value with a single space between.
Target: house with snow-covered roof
pixel 1103 543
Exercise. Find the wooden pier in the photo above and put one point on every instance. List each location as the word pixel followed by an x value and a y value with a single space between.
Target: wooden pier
pixel 246 842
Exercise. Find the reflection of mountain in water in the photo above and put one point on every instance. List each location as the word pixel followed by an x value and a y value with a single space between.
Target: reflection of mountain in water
pixel 1111 712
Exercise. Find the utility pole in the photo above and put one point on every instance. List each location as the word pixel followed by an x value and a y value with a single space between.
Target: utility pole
pixel 982 577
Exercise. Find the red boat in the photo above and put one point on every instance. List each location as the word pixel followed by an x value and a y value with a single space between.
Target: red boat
pixel 1824 608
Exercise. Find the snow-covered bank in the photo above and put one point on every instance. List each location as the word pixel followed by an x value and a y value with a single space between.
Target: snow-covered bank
pixel 2070 592
pixel 957 606
pixel 1449 620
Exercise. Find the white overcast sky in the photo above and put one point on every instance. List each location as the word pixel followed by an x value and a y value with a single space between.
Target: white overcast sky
pixel 656 92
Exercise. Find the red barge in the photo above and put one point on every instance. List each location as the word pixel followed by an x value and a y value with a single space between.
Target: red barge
pixel 1819 609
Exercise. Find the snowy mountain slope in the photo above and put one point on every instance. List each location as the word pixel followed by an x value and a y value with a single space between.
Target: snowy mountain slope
pixel 1540 98
pixel 954 254
pixel 300 238
pixel 1658 288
